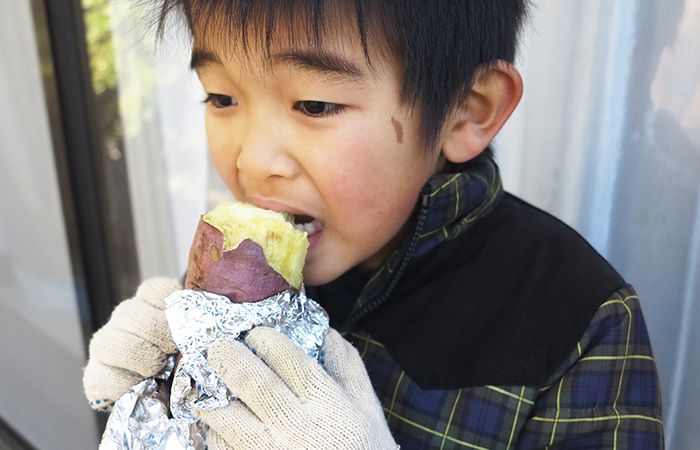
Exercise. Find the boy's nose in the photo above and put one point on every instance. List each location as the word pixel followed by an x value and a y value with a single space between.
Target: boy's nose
pixel 265 153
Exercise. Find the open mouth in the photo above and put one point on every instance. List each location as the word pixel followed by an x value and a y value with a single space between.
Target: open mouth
pixel 307 223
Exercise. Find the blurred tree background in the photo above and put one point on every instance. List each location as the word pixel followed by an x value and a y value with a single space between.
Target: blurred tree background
pixel 110 157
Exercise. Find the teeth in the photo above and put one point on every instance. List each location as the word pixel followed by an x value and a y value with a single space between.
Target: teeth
pixel 311 227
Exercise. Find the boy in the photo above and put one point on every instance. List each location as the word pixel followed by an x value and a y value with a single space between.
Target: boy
pixel 481 321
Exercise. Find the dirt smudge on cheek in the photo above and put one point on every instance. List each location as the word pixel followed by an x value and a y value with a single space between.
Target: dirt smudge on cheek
pixel 398 128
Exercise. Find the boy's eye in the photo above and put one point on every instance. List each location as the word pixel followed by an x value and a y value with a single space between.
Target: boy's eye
pixel 317 109
pixel 220 101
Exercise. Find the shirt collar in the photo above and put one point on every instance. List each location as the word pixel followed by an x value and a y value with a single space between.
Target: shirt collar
pixel 457 200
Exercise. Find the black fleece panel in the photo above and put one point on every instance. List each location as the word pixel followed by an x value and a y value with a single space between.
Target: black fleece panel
pixel 502 304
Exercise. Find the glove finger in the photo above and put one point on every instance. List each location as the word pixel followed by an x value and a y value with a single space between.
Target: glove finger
pixel 155 290
pixel 234 426
pixel 345 366
pixel 144 320
pixel 117 348
pixel 254 382
pixel 216 442
pixel 104 385
pixel 303 374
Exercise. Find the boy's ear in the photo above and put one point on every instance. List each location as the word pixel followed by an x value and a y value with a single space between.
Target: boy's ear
pixel 473 125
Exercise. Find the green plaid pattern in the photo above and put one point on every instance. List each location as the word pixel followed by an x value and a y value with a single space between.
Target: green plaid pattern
pixel 605 395
pixel 457 201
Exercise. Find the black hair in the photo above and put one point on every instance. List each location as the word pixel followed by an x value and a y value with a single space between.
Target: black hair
pixel 441 44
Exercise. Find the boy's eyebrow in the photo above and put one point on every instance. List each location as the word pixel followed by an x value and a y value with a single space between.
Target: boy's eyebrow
pixel 201 58
pixel 315 61
pixel 322 62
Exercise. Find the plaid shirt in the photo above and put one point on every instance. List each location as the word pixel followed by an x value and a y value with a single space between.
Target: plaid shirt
pixel 604 395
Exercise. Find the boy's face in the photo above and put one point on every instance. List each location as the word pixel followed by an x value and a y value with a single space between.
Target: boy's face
pixel 320 134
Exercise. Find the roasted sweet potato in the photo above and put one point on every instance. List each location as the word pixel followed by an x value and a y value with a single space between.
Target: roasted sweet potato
pixel 246 253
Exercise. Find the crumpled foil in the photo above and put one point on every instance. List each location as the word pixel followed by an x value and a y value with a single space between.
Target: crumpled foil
pixel 196 319
pixel 140 421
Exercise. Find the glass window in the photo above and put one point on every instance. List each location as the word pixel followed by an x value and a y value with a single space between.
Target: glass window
pixel 42 351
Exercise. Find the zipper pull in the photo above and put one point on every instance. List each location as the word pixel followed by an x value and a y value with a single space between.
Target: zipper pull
pixel 425 196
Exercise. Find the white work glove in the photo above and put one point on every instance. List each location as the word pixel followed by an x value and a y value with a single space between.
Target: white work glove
pixel 290 402
pixel 132 346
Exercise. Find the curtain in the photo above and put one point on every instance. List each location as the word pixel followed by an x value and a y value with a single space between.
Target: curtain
pixel 607 138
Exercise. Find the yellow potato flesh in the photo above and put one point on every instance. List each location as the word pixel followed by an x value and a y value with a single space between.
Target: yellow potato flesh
pixel 283 245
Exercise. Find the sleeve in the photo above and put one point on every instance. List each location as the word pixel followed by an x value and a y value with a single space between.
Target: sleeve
pixel 606 395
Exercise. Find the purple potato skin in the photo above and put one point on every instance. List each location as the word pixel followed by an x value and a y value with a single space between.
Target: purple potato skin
pixel 242 274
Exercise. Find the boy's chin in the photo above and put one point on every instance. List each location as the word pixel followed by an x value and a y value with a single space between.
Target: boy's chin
pixel 313 279
pixel 319 274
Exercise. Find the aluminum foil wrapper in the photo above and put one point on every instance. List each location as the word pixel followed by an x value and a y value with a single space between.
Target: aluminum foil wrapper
pixel 140 421
pixel 196 319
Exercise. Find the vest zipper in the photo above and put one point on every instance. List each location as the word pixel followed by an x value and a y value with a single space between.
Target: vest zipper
pixel 407 256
